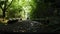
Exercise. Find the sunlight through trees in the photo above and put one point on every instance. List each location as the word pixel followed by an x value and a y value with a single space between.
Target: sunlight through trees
pixel 21 8
pixel 26 7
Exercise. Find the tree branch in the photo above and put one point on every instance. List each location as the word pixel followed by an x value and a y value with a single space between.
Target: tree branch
pixel 9 4
pixel 1 7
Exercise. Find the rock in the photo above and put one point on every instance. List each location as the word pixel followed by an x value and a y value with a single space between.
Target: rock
pixel 12 21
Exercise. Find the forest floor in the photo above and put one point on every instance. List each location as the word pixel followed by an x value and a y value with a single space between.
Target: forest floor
pixel 26 26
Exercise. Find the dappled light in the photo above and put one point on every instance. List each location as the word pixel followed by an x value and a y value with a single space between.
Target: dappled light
pixel 26 8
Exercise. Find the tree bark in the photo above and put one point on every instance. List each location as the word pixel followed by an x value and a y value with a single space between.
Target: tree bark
pixel 3 14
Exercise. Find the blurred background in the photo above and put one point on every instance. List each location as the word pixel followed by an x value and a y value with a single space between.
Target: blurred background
pixel 30 15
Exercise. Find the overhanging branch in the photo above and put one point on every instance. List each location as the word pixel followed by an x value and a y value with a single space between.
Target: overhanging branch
pixel 9 4
pixel 1 7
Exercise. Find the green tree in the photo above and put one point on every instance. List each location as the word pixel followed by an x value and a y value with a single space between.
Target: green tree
pixel 4 4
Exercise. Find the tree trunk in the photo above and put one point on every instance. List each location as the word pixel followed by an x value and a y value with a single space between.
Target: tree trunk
pixel 4 9
pixel 3 14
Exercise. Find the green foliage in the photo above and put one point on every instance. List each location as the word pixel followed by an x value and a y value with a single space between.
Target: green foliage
pixel 18 7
